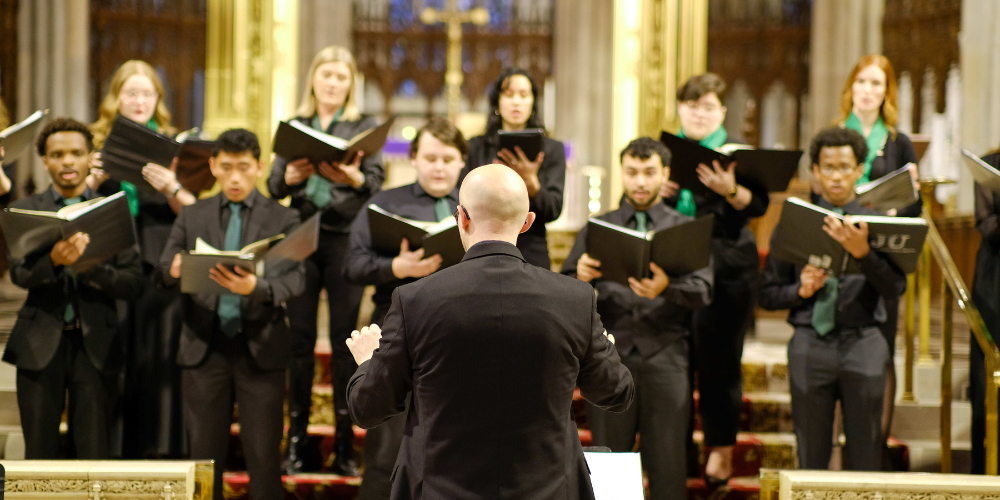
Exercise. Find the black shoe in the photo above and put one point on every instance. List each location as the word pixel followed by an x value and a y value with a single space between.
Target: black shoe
pixel 300 382
pixel 345 463
pixel 713 483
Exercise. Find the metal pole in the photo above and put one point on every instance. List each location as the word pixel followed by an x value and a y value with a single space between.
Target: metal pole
pixel 946 331
pixel 924 289
pixel 992 382
pixel 909 302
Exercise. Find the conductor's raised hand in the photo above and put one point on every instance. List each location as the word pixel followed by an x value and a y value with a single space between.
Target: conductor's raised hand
pixel 811 279
pixel 650 288
pixel 587 268
pixel 239 280
pixel 854 238
pixel 363 344
pixel 67 252
pixel 345 173
pixel 296 172
pixel 413 264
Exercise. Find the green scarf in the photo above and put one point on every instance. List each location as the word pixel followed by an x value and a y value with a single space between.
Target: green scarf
pixel 715 140
pixel 131 192
pixel 318 187
pixel 876 141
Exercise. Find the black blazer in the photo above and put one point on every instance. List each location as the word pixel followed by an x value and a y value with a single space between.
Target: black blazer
pixel 547 203
pixel 986 281
pixel 39 326
pixel 263 311
pixel 346 201
pixel 492 349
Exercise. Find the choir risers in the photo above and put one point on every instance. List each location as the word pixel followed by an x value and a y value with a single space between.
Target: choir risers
pixel 107 480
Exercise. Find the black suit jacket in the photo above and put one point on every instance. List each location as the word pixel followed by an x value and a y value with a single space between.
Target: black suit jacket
pixel 492 349
pixel 39 326
pixel 263 311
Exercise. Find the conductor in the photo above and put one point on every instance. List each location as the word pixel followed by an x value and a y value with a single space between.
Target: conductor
pixel 492 349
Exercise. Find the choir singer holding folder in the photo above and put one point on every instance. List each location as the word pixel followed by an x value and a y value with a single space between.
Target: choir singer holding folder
pixel 649 320
pixel 238 339
pixel 438 152
pixel 837 351
pixel 66 334
pixel 338 191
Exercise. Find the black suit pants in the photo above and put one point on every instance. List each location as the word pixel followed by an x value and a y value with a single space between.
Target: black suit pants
pixel 659 413
pixel 41 397
pixel 208 391
pixel 845 365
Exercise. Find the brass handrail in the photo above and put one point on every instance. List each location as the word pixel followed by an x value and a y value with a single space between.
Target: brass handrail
pixel 953 286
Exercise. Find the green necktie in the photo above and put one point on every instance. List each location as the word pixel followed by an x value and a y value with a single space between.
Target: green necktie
pixel 640 221
pixel 229 303
pixel 69 315
pixel 824 313
pixel 318 187
pixel 715 140
pixel 685 203
pixel 442 210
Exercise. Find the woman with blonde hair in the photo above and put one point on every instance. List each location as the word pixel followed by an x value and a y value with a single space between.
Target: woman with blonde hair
pixel 337 191
pixel 152 413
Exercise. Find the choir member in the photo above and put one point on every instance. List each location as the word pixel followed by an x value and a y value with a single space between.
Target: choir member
pixel 837 351
pixel 235 343
pixel 868 106
pixel 152 414
pixel 66 335
pixel 984 294
pixel 649 320
pixel 720 328
pixel 338 191
pixel 514 106
pixel 437 151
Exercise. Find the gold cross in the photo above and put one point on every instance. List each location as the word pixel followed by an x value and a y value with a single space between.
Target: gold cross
pixel 454 18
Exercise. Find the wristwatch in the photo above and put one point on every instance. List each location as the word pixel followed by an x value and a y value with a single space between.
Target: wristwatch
pixel 732 194
pixel 176 190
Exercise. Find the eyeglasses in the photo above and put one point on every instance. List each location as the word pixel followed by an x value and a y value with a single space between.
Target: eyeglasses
pixel 845 171
pixel 460 207
pixel 704 107
pixel 134 95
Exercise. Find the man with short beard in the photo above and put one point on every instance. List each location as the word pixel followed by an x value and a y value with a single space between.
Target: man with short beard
pixel 66 335
pixel 651 321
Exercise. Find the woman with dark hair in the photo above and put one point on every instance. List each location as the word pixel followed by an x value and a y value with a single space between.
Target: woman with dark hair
pixel 720 328
pixel 514 106
pixel 984 294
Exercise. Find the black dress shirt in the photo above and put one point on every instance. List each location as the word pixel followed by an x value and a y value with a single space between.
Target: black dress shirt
pixel 365 266
pixel 860 298
pixel 637 322
pixel 547 203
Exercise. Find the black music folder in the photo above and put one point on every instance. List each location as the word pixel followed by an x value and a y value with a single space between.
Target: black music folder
pixel 626 253
pixel 19 137
pixel 769 169
pixel 799 239
pixel 294 140
pixel 436 238
pixel 272 255
pixel 893 191
pixel 531 141
pixel 107 221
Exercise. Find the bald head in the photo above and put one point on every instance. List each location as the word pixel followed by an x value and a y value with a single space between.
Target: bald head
pixel 497 201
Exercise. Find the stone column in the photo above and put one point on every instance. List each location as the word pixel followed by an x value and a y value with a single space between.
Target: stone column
pixel 323 23
pixel 979 43
pixel 53 67
pixel 842 32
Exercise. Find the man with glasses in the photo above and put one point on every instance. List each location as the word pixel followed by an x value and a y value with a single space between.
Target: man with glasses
pixel 837 351
pixel 66 335
pixel 438 153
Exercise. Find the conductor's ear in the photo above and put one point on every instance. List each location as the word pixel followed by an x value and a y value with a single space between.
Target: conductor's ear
pixel 527 222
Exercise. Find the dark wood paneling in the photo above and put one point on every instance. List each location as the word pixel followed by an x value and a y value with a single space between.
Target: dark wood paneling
pixel 170 36
pixel 8 55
